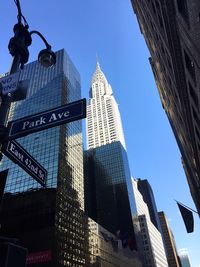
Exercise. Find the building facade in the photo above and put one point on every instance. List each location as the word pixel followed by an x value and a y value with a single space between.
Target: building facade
pixel 184 258
pixel 107 176
pixel 171 31
pixel 171 251
pixel 50 220
pixel 106 250
pixel 108 191
pixel 151 242
pixel 103 117
pixel 147 193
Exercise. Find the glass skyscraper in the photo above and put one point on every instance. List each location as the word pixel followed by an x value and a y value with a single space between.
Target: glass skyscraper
pixel 145 189
pixel 49 221
pixel 108 190
pixel 49 88
pixel 151 243
pixel 184 258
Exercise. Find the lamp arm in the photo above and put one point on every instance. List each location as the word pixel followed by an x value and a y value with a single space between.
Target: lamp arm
pixel 42 37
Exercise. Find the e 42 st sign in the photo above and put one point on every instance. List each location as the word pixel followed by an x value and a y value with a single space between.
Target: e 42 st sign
pixel 20 156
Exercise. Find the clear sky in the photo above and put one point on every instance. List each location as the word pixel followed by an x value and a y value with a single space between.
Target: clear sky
pixel 109 28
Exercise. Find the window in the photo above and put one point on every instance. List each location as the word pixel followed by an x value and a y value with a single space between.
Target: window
pixel 195 116
pixel 197 133
pixel 193 95
pixel 153 7
pixel 182 8
pixel 160 21
pixel 190 65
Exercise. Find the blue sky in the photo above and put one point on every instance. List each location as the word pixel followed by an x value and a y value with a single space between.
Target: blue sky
pixel 109 28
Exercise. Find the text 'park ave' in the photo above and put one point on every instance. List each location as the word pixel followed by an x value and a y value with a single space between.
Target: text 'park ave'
pixel 47 119
pixel 43 120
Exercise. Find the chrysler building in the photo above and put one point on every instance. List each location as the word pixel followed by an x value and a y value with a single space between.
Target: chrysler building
pixel 103 118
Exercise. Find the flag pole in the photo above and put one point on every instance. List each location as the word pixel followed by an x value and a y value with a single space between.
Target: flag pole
pixel 186 206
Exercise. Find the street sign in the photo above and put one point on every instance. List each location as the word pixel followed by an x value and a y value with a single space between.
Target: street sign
pixel 47 119
pixel 20 156
pixel 9 83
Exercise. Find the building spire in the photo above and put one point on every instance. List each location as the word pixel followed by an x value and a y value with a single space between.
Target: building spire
pixel 98 74
pixel 97 59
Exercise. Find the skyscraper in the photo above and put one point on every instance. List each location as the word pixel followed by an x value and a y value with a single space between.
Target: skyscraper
pixel 108 191
pixel 171 32
pixel 147 193
pixel 151 242
pixel 50 221
pixel 184 258
pixel 169 242
pixel 103 118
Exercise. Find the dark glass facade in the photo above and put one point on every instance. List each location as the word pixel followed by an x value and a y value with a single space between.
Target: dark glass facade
pixel 51 219
pixel 145 189
pixel 108 194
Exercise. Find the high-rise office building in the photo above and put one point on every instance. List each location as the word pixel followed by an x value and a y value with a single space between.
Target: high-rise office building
pixel 109 195
pixel 107 176
pixel 103 118
pixel 50 221
pixel 49 88
pixel 106 250
pixel 109 198
pixel 147 193
pixel 151 242
pixel 169 242
pixel 171 31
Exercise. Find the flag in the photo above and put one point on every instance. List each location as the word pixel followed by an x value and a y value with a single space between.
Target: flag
pixel 187 218
pixel 131 243
pixel 123 237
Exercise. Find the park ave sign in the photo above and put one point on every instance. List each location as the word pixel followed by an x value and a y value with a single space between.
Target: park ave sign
pixel 34 123
pixel 47 119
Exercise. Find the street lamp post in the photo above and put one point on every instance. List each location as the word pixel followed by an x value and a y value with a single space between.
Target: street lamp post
pixel 18 48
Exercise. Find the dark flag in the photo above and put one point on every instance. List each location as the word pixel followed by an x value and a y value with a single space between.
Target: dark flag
pixel 131 243
pixel 187 218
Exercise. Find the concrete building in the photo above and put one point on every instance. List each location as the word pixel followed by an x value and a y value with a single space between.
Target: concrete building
pixel 106 250
pixel 170 247
pixel 172 34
